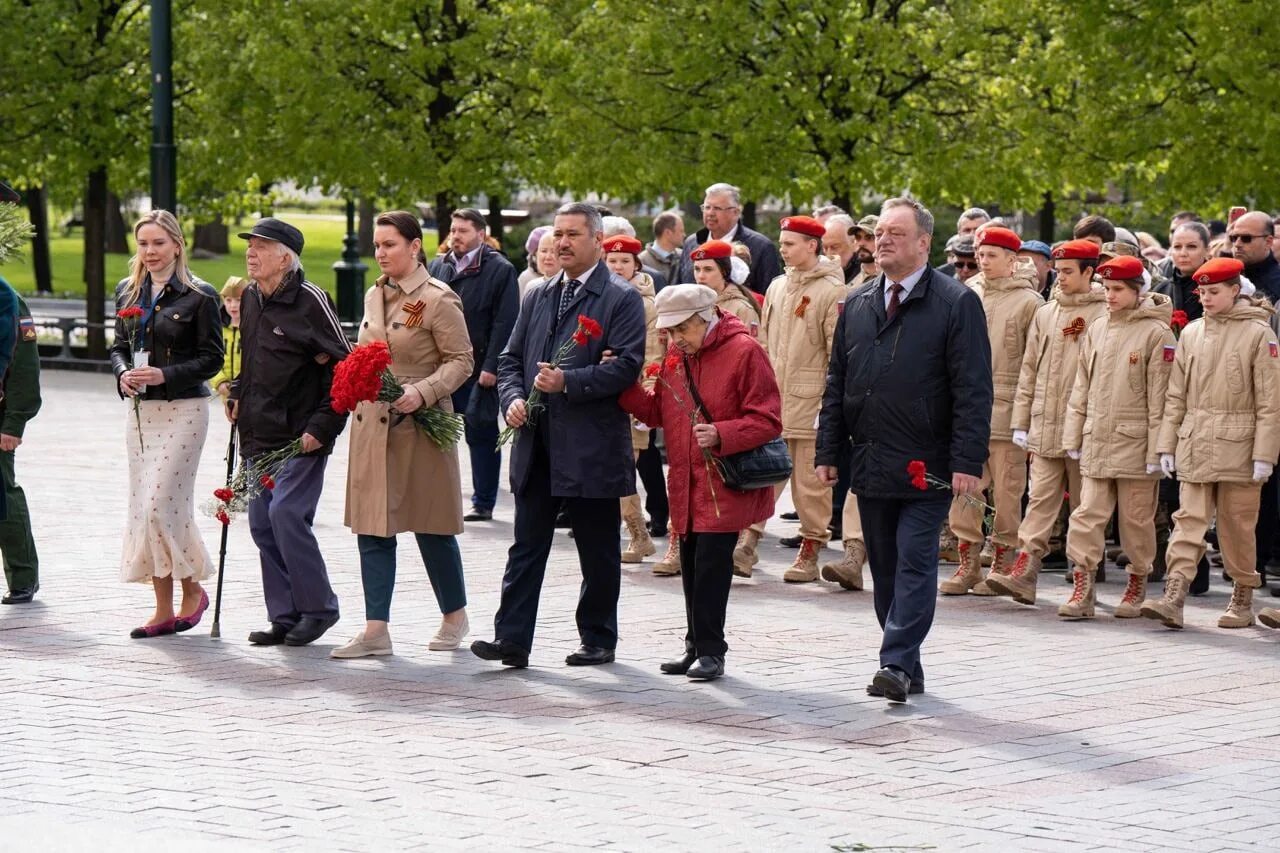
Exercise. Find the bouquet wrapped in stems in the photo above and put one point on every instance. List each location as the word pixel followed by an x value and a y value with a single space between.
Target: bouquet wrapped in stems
pixel 251 478
pixel 130 318
pixel 365 376
pixel 587 329
pixel 670 367
pixel 921 479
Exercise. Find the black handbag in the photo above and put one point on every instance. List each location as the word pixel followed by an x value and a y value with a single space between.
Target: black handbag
pixel 758 468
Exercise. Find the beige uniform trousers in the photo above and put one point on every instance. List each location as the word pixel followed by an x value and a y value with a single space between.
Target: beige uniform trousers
pixel 1049 478
pixel 1006 473
pixel 811 497
pixel 1237 510
pixel 851 519
pixel 1136 501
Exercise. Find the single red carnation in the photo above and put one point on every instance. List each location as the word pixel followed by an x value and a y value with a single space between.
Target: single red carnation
pixel 580 338
pixel 224 495
pixel 916 468
pixel 652 370
pixel 673 363
pixel 920 483
pixel 591 327
pixel 267 481
pixel 133 312
pixel 222 516
pixel 1178 321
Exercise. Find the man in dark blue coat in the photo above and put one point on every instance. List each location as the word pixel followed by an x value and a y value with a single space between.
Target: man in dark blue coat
pixel 721 213
pixel 486 283
pixel 909 382
pixel 574 447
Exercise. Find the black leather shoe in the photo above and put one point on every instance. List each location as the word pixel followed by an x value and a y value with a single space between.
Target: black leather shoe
pixel 916 689
pixel 791 541
pixel 479 515
pixel 837 531
pixel 22 595
pixel 657 532
pixel 706 668
pixel 589 656
pixel 273 636
pixel 680 666
pixel 509 653
pixel 894 684
pixel 790 516
pixel 562 519
pixel 308 630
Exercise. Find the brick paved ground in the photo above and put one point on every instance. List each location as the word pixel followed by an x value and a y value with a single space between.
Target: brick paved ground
pixel 1036 735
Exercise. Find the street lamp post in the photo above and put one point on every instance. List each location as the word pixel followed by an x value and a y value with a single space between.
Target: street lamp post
pixel 164 165
pixel 350 271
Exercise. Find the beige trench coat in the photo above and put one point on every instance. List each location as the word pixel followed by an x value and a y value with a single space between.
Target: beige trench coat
pixel 398 480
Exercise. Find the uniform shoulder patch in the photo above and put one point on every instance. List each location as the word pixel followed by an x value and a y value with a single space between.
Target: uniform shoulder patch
pixel 1274 349
pixel 1170 351
pixel 27 328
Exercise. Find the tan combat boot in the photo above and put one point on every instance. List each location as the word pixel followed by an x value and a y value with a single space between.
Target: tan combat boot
pixel 1270 617
pixel 988 552
pixel 1083 597
pixel 1240 609
pixel 1020 582
pixel 999 565
pixel 969 574
pixel 805 568
pixel 670 564
pixel 744 555
pixel 847 572
pixel 1130 606
pixel 1168 608
pixel 641 544
pixel 948 546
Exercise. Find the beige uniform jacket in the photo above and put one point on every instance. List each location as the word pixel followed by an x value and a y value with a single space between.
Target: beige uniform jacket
pixel 1223 408
pixel 397 479
pixel 1049 368
pixel 653 351
pixel 733 301
pixel 798 323
pixel 1010 304
pixel 1117 404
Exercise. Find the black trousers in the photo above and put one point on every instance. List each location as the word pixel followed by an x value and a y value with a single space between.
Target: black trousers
pixel 595 530
pixel 1268 522
pixel 844 462
pixel 649 467
pixel 707 559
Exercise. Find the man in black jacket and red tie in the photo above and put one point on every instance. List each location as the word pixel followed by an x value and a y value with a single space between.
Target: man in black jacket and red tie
pixel 910 385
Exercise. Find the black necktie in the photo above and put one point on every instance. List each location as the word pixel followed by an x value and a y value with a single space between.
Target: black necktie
pixel 894 290
pixel 568 289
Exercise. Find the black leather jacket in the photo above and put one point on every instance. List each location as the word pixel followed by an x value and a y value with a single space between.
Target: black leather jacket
pixel 183 336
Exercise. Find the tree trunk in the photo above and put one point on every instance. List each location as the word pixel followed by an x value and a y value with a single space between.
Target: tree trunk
pixel 95 259
pixel 749 215
pixel 365 229
pixel 38 205
pixel 117 231
pixel 842 200
pixel 444 216
pixel 1047 219
pixel 213 237
pixel 497 227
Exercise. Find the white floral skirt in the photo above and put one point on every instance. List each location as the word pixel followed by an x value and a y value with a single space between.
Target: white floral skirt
pixel 160 537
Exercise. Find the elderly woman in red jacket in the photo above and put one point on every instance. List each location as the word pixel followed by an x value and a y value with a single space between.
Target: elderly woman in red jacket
pixel 713 351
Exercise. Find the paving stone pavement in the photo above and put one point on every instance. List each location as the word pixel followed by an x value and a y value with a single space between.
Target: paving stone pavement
pixel 1035 734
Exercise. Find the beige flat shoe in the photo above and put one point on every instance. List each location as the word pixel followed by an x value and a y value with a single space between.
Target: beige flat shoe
pixel 359 647
pixel 449 637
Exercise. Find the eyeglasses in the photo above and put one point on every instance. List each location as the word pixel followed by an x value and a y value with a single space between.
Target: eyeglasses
pixel 1247 238
pixel 715 208
pixel 965 265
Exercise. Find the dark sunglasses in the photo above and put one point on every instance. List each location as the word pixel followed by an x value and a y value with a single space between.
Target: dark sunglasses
pixel 1246 238
pixel 965 265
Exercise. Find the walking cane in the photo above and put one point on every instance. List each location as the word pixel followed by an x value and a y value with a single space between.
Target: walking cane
pixel 216 631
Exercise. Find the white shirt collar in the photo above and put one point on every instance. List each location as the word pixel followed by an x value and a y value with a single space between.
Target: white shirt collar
pixel 728 237
pixel 907 283
pixel 468 259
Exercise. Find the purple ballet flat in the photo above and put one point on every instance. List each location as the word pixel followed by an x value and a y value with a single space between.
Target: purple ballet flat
pixel 146 632
pixel 186 623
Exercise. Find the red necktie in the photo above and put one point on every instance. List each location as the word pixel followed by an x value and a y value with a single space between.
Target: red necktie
pixel 892 310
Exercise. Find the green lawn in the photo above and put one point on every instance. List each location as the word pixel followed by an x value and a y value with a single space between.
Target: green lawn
pixel 323 248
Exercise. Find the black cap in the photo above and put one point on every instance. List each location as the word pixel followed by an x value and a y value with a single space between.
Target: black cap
pixel 273 229
pixel 9 194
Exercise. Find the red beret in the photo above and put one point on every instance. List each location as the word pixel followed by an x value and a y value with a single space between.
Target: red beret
pixel 1121 268
pixel 1218 270
pixel 995 235
pixel 806 225
pixel 623 243
pixel 1081 250
pixel 711 250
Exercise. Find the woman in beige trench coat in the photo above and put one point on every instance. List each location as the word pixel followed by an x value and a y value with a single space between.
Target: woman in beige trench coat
pixel 398 480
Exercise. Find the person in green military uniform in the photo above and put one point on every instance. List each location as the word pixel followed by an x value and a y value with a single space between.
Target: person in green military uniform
pixel 21 359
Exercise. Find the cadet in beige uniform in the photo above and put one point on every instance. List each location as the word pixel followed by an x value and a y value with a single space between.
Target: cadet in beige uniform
pixel 1112 424
pixel 798 323
pixel 1221 434
pixel 1010 296
pixel 1040 408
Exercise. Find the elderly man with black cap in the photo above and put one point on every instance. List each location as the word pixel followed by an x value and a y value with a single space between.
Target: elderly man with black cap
pixel 291 339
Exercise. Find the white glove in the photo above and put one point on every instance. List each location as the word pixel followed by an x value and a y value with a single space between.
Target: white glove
pixel 1020 438
pixel 1262 471
pixel 1074 454
pixel 1168 466
pixel 1151 469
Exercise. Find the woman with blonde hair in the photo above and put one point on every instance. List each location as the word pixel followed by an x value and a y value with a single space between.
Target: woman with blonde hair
pixel 168 342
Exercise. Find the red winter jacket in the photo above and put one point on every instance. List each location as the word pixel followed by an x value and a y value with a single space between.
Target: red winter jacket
pixel 736 381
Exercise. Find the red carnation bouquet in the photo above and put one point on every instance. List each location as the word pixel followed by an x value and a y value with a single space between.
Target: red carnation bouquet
pixel 670 367
pixel 587 329
pixel 130 318
pixel 250 480
pixel 365 376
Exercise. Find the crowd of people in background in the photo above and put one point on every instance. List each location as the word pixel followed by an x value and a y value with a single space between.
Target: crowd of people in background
pixel 1010 405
